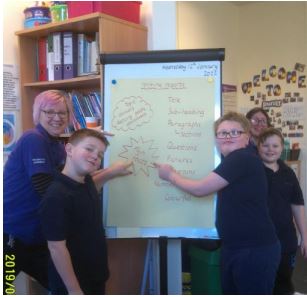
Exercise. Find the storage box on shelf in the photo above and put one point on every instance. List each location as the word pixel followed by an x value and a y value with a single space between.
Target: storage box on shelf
pixel 114 35
pixel 126 10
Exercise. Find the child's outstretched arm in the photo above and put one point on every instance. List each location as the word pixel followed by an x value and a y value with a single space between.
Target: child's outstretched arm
pixel 300 221
pixel 117 169
pixel 62 262
pixel 199 188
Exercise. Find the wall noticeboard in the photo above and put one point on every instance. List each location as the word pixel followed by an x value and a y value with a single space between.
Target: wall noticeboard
pixel 161 106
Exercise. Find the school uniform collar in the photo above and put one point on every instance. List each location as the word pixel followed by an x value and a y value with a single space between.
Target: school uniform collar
pixel 252 147
pixel 71 182
pixel 281 164
pixel 242 149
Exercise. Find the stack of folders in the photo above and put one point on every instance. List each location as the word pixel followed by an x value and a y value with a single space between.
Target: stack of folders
pixel 64 55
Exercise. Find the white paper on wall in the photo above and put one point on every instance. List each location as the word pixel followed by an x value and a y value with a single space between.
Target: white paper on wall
pixel 11 94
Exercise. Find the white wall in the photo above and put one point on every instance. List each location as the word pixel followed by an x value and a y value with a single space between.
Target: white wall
pixel 13 18
pixel 162 34
pixel 203 24
pixel 271 32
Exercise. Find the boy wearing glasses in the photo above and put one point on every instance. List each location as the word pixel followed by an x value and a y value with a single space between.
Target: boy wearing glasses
pixel 71 215
pixel 250 249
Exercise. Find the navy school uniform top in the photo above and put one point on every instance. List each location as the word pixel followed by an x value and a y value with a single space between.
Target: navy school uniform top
pixel 253 148
pixel 72 211
pixel 35 152
pixel 284 191
pixel 242 212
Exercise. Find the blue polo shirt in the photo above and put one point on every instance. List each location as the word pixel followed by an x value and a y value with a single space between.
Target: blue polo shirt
pixel 35 152
pixel 242 211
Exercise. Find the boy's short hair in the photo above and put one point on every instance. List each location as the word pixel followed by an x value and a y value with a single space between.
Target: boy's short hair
pixel 255 110
pixel 81 134
pixel 234 117
pixel 268 133
pixel 51 97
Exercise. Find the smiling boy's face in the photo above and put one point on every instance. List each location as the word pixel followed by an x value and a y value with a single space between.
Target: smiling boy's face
pixel 86 155
pixel 270 150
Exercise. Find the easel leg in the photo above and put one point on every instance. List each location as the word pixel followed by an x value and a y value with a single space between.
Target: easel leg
pixel 146 267
pixel 151 269
pixel 174 271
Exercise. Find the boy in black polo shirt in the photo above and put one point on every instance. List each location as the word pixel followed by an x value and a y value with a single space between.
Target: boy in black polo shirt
pixel 72 219
pixel 250 250
pixel 285 203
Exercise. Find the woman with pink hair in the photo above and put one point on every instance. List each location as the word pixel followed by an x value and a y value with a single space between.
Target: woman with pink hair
pixel 29 170
pixel 27 174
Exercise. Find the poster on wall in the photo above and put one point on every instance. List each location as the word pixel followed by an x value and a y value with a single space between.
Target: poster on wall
pixel 229 98
pixel 11 96
pixel 281 91
pixel 9 131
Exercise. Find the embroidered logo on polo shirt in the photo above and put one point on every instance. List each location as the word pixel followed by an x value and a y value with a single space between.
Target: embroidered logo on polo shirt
pixel 39 161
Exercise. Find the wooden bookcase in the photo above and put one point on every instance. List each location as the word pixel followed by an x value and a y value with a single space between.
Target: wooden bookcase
pixel 126 257
pixel 114 35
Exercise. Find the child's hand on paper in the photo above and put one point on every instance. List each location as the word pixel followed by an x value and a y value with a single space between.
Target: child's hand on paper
pixel 106 133
pixel 164 170
pixel 120 168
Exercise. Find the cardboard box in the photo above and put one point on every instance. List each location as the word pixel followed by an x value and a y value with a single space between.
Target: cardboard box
pixel 126 10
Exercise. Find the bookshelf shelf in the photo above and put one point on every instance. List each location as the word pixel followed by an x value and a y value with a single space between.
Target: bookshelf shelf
pixel 89 81
pixel 82 24
pixel 114 35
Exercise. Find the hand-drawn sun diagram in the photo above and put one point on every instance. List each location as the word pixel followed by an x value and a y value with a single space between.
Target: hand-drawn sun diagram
pixel 142 153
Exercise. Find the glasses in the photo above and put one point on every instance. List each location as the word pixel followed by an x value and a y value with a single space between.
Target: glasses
pixel 232 134
pixel 259 122
pixel 51 114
